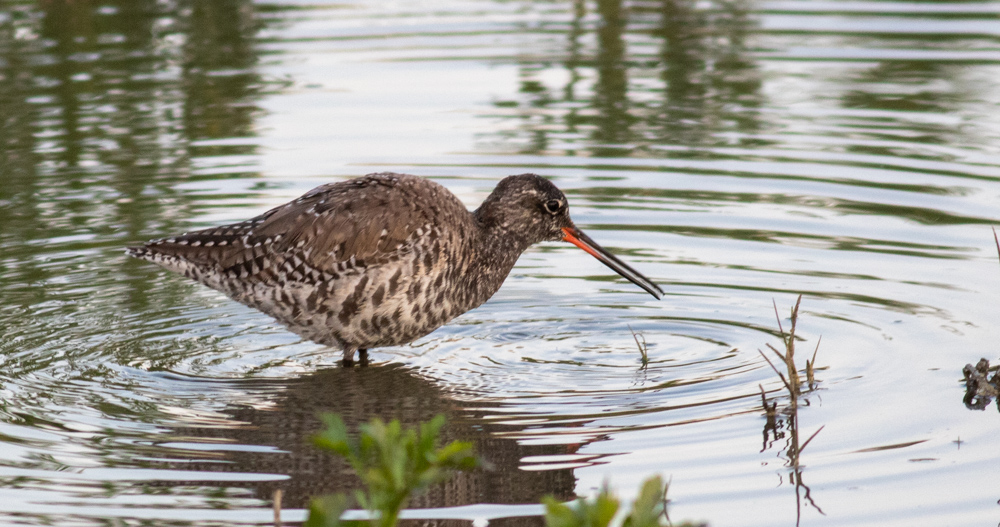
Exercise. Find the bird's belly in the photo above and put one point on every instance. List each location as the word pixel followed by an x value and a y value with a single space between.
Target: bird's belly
pixel 374 307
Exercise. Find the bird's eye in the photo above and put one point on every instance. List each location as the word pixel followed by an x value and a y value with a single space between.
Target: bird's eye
pixel 553 206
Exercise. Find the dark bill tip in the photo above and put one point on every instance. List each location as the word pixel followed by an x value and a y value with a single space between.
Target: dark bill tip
pixel 581 240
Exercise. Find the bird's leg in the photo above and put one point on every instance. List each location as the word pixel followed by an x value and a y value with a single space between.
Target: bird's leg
pixel 363 357
pixel 348 357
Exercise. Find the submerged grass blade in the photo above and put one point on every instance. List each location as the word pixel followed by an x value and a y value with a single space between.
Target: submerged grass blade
pixel 643 348
pixel 997 240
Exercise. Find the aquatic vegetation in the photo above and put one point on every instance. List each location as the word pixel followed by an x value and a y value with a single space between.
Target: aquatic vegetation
pixel 996 240
pixel 792 384
pixel 643 347
pixel 393 464
pixel 648 510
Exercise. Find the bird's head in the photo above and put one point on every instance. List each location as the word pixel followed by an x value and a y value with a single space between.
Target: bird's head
pixel 528 209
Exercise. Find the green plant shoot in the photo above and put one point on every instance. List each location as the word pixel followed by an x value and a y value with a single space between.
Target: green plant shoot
pixel 393 463
pixel 584 513
pixel 648 510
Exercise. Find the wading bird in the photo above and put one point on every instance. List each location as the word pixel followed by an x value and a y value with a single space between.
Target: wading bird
pixel 380 260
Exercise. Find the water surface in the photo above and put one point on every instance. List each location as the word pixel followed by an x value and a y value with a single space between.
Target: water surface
pixel 738 153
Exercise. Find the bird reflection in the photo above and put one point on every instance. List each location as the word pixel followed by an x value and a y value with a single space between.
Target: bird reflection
pixel 289 420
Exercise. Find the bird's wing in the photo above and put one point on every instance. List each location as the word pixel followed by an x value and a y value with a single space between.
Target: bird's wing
pixel 359 222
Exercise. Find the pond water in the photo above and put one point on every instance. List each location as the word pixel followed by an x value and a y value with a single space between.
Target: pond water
pixel 739 153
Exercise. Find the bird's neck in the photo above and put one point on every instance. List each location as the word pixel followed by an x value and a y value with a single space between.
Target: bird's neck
pixel 498 249
pixel 502 242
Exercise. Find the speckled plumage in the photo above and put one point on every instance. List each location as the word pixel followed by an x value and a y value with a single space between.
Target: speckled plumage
pixel 375 261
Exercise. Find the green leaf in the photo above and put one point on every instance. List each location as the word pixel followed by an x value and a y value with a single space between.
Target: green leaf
pixel 458 454
pixel 648 507
pixel 558 514
pixel 583 513
pixel 394 463
pixel 326 511
pixel 604 509
pixel 334 438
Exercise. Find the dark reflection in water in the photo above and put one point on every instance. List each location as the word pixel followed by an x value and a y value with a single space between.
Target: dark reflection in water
pixel 611 89
pixel 914 90
pixel 783 425
pixel 706 81
pixel 711 83
pixel 359 394
pixel 104 106
pixel 912 73
pixel 125 86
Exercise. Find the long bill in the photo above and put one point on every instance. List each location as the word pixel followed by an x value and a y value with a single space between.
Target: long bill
pixel 581 240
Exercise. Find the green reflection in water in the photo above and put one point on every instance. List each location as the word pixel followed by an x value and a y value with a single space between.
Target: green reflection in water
pixel 105 108
pixel 701 82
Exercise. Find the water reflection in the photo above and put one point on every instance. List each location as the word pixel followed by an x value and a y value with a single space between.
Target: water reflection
pixel 711 82
pixel 910 98
pixel 107 106
pixel 701 81
pixel 610 100
pixel 126 86
pixel 784 425
pixel 283 426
